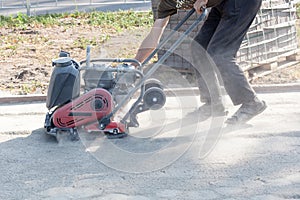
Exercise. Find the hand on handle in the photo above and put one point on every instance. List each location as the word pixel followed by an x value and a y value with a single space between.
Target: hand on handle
pixel 199 5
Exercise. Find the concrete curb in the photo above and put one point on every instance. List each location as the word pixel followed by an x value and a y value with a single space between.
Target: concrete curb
pixel 272 88
pixel 277 88
pixel 22 98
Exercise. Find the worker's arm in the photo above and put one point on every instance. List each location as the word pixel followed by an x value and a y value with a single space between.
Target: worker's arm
pixel 151 41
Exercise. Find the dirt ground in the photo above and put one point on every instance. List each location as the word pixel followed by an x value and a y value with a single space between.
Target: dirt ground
pixel 34 166
pixel 26 55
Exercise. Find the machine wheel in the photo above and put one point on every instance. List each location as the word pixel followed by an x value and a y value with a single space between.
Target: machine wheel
pixel 154 98
pixel 152 82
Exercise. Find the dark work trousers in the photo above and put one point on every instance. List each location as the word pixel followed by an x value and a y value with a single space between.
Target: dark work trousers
pixel 221 36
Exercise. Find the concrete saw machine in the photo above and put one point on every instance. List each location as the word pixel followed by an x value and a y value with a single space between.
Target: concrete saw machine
pixel 87 95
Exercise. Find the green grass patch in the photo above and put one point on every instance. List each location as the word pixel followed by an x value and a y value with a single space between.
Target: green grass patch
pixel 298 10
pixel 116 20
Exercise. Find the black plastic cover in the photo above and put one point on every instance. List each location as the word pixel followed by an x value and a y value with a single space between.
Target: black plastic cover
pixel 64 83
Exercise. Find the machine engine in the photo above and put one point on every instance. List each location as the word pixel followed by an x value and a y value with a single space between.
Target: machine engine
pixel 92 105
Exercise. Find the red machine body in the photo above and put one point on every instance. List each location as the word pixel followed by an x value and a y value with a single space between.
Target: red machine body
pixel 84 110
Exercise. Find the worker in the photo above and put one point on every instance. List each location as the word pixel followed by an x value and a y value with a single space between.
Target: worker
pixel 220 37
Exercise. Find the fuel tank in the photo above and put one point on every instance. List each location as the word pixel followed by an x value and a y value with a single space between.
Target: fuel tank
pixel 64 83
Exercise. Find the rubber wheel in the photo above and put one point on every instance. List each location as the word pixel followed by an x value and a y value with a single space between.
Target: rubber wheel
pixel 149 83
pixel 154 98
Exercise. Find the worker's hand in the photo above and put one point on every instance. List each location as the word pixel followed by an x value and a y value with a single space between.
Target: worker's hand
pixel 199 4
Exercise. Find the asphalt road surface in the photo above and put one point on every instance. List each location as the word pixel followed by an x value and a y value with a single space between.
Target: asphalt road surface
pixel 258 161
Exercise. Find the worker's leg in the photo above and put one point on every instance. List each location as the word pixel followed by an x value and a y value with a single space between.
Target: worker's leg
pixel 201 61
pixel 208 83
pixel 237 16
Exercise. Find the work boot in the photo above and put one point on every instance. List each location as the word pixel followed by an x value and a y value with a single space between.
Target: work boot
pixel 206 111
pixel 247 111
